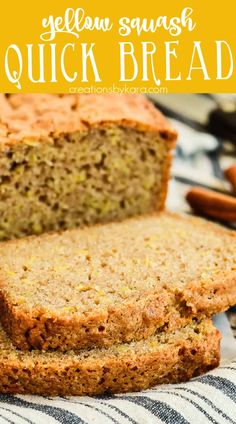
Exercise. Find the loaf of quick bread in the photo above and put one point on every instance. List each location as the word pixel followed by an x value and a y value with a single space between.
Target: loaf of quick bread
pixel 69 160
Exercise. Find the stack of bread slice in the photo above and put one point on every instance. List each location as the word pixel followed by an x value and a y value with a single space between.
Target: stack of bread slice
pixel 114 307
pixel 111 307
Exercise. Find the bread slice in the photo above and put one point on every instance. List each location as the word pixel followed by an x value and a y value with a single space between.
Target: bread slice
pixel 71 160
pixel 163 358
pixel 116 282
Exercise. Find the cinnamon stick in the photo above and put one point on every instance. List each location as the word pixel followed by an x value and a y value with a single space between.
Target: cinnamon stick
pixel 212 204
pixel 230 174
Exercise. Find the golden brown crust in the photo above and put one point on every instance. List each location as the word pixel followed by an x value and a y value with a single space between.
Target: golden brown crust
pixel 42 116
pixel 165 178
pixel 175 360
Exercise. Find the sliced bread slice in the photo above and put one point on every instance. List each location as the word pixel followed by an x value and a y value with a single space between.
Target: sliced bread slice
pixel 163 358
pixel 115 283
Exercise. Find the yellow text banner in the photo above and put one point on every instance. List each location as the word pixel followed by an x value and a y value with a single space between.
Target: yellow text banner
pixel 124 47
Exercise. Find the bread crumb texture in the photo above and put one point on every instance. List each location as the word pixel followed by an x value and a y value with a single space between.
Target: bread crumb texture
pixel 71 160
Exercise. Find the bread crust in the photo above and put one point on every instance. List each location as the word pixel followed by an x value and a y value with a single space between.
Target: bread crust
pixel 45 116
pixel 172 361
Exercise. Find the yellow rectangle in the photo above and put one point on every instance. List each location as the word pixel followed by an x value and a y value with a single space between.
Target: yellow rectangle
pixel 90 46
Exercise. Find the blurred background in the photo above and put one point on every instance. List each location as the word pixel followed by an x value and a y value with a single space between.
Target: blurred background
pixel 206 145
